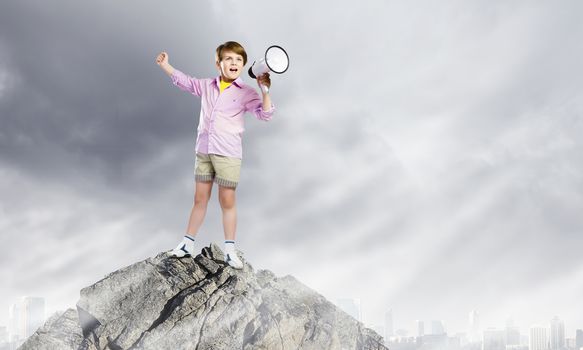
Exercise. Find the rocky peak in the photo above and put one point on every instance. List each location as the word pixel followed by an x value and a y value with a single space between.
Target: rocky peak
pixel 201 303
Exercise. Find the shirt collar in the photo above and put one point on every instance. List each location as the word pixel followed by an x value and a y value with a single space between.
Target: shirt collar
pixel 237 82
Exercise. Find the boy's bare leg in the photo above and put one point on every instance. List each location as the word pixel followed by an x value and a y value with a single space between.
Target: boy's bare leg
pixel 227 201
pixel 202 194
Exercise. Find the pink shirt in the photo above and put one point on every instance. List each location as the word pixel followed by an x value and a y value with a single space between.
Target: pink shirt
pixel 221 122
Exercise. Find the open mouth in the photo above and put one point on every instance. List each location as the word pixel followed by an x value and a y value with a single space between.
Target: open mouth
pixel 234 70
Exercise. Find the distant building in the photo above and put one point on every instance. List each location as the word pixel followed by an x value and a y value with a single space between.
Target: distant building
pixel 402 333
pixel 389 330
pixel 579 339
pixel 474 327
pixel 494 339
pixel 434 341
pixel 454 342
pixel 25 317
pixel 420 328
pixel 3 335
pixel 33 315
pixel 557 336
pixel 14 329
pixel 538 338
pixel 512 336
pixel 351 307
pixel 476 345
pixel 437 327
pixel 463 337
pixel 403 343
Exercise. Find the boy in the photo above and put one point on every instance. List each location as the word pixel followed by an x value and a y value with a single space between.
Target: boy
pixel 224 101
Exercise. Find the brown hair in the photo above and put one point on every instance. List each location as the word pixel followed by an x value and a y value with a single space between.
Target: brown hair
pixel 231 46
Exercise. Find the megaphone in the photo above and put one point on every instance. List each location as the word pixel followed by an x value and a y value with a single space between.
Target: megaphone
pixel 275 60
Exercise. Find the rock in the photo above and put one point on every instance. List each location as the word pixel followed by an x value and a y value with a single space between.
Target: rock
pixel 202 303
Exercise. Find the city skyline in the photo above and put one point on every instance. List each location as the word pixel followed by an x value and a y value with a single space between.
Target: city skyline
pixel 539 337
pixel 473 315
pixel 500 325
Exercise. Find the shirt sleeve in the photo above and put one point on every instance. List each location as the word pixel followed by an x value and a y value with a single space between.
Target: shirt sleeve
pixel 186 82
pixel 255 106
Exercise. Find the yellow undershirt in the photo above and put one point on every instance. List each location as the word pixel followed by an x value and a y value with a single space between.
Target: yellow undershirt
pixel 223 85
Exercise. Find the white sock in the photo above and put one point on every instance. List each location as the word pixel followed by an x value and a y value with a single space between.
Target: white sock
pixel 189 241
pixel 229 247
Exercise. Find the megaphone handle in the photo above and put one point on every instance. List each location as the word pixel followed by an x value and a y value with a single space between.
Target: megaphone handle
pixel 264 88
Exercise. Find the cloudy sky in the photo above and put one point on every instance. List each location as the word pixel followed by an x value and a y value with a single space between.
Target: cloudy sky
pixel 424 157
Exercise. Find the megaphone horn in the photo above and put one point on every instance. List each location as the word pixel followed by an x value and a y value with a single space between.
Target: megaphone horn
pixel 275 60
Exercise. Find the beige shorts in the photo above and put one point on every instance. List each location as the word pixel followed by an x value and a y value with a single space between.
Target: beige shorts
pixel 223 170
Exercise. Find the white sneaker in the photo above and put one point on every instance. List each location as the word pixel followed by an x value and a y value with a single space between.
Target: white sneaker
pixel 184 248
pixel 233 260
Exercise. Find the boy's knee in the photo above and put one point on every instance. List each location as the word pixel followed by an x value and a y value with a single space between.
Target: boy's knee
pixel 227 199
pixel 201 199
pixel 227 203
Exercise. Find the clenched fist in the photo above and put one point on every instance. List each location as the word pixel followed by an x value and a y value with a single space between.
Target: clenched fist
pixel 162 58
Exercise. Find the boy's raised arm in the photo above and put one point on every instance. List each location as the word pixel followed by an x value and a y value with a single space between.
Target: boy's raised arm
pixel 183 81
pixel 261 107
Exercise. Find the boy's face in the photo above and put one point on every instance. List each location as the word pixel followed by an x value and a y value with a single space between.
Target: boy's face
pixel 230 66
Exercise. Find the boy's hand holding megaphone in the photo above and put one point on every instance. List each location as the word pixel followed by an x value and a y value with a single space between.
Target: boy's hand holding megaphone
pixel 264 81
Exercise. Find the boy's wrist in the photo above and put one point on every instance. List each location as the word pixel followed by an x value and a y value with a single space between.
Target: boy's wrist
pixel 166 67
